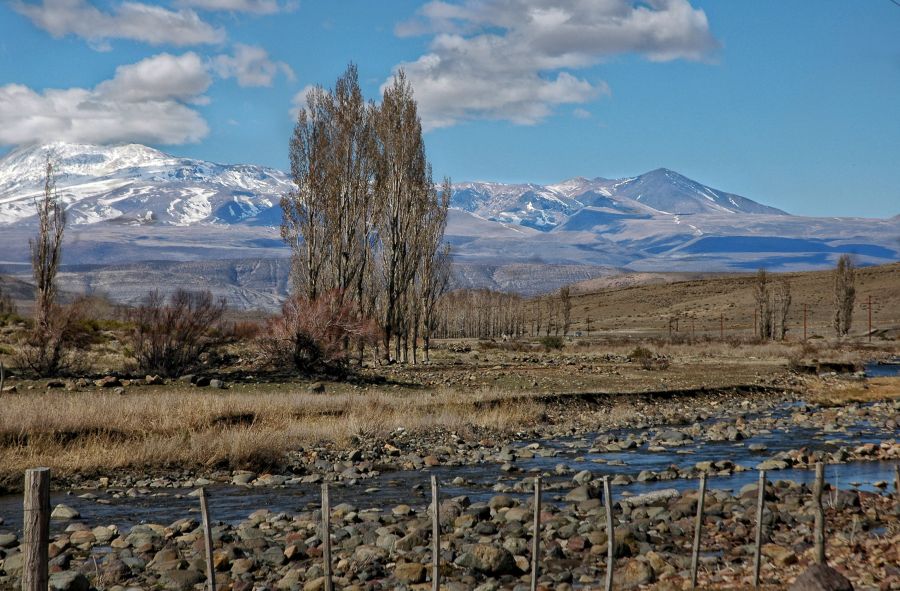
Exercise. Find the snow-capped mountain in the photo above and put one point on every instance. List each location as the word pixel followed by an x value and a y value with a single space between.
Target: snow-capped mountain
pixel 217 225
pixel 545 207
pixel 136 184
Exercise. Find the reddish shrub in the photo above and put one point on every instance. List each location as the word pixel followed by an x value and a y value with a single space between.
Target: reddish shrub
pixel 315 334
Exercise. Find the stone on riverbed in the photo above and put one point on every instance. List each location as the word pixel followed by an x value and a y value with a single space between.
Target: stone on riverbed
pixel 64 512
pixel 820 577
pixel 69 581
pixel 488 559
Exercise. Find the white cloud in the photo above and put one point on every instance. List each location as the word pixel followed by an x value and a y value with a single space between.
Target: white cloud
pixel 136 105
pixel 512 59
pixel 251 6
pixel 251 66
pixel 161 77
pixel 130 20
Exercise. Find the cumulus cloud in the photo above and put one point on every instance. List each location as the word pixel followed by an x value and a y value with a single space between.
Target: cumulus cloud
pixel 513 59
pixel 251 6
pixel 251 66
pixel 144 102
pixel 136 21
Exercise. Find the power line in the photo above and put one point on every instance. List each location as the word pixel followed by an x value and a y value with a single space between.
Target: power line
pixel 896 2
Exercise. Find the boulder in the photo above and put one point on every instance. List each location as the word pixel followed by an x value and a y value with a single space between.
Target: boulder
pixel 634 574
pixel 64 512
pixel 820 577
pixel 410 572
pixel 69 581
pixel 488 559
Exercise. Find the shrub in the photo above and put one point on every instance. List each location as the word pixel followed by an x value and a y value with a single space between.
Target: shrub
pixel 552 343
pixel 169 336
pixel 640 352
pixel 316 334
pixel 48 348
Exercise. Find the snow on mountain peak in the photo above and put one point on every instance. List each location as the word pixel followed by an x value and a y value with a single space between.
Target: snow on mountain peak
pixel 136 183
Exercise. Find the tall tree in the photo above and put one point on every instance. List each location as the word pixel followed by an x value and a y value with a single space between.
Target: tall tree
pixel 46 249
pixel 783 303
pixel 844 295
pixel 401 177
pixel 305 207
pixel 435 273
pixel 565 301
pixel 764 310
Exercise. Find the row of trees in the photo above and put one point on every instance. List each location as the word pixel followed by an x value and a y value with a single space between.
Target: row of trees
pixel 483 313
pixel 365 221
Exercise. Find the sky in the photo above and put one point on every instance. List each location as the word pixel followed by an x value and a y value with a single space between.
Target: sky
pixel 794 104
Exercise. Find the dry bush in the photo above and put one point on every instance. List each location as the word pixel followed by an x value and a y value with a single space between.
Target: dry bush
pixel 169 336
pixel 49 348
pixel 315 334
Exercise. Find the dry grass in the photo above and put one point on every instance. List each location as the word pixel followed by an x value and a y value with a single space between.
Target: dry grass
pixel 840 393
pixel 89 431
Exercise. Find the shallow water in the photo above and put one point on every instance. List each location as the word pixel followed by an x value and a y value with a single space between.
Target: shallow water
pixel 883 370
pixel 232 503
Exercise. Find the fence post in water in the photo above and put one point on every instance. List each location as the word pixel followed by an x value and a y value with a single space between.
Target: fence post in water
pixel 897 480
pixel 536 536
pixel 698 528
pixel 326 537
pixel 435 536
pixel 760 507
pixel 36 529
pixel 207 536
pixel 819 525
pixel 610 534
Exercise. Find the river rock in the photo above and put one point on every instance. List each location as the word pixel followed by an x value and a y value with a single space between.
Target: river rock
pixel 8 540
pixel 410 572
pixel 69 581
pixel 820 577
pixel 64 512
pixel 634 574
pixel 488 559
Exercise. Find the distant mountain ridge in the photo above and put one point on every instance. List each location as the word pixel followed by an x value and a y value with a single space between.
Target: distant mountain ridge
pixel 136 184
pixel 545 207
pixel 215 225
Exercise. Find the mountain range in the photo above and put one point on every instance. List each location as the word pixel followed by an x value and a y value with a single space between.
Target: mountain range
pixel 140 216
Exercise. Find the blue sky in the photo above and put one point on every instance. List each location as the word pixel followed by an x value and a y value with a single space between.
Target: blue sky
pixel 794 104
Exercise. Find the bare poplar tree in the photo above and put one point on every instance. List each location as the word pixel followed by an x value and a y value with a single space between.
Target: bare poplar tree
pixel 435 273
pixel 844 295
pixel 783 303
pixel 46 249
pixel 402 175
pixel 764 310
pixel 565 302
pixel 349 200
pixel 305 208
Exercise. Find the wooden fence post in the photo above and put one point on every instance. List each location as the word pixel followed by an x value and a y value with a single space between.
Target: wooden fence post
pixel 2 376
pixel 698 529
pixel 435 536
pixel 207 535
pixel 536 536
pixel 897 480
pixel 36 529
pixel 760 507
pixel 610 534
pixel 326 537
pixel 819 525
